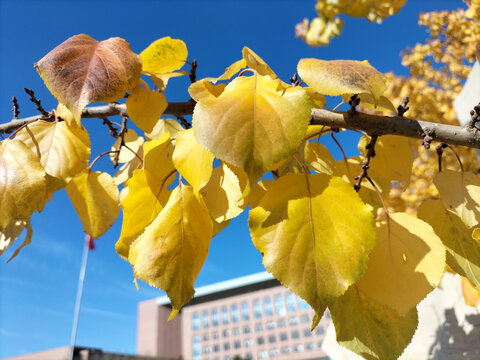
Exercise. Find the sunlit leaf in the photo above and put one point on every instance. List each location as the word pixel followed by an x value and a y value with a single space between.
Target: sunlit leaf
pixel 63 150
pixel 371 329
pixel 233 69
pixel 338 77
pixel 164 126
pixel 257 63
pixel 132 149
pixel 315 236
pixel 161 80
pixel 193 161
pixel 145 107
pixel 463 251
pixel 408 262
pixel 204 90
pixel 252 125
pixel 10 233
pixel 140 207
pixel 126 170
pixel 158 159
pixel 471 294
pixel 393 157
pixel 22 182
pixel 95 198
pixel 66 115
pixel 223 195
pixel 318 100
pixel 26 241
pixel 164 56
pixel 82 70
pixel 173 248
pixel 460 192
pixel 318 158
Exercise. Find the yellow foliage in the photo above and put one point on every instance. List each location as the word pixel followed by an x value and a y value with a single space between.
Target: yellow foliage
pixel 145 107
pixel 164 56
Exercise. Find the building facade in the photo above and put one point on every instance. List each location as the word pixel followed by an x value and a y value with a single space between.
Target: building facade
pixel 252 317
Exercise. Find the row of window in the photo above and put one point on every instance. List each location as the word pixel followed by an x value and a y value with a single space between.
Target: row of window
pixel 272 353
pixel 280 305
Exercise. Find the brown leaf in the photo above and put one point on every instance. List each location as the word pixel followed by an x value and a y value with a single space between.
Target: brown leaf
pixel 82 70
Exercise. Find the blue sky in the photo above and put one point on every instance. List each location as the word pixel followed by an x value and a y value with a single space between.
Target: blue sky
pixel 37 289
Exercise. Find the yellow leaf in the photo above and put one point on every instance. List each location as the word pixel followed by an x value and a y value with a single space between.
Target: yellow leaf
pixel 223 195
pixel 26 241
pixel 232 70
pixel 314 131
pixel 23 183
pixel 463 251
pixel 63 150
pixel 257 63
pixel 315 236
pixel 193 161
pixel 370 329
pixel 471 294
pixel 460 193
pixel 133 145
pixel 140 207
pixel 408 262
pixel 204 90
pixel 318 100
pixel 393 157
pixel 145 107
pixel 82 70
pixel 164 56
pixel 158 159
pixel 252 125
pixel 126 170
pixel 95 198
pixel 10 233
pixel 318 158
pixel 164 126
pixel 161 80
pixel 258 192
pixel 66 115
pixel 173 248
pixel 291 164
pixel 338 77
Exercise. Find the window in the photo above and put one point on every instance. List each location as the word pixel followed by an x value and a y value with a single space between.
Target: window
pixel 320 344
pixel 236 331
pixel 234 313
pixel 260 340
pixel 216 348
pixel 214 317
pixel 310 346
pixel 237 344
pixel 245 311
pixel 295 334
pixel 320 330
pixel 205 337
pixel 246 330
pixel 248 356
pixel 258 327
pixel 226 333
pixel 257 308
pixel 283 336
pixel 305 319
pixel 273 352
pixel 206 319
pixel 215 335
pixel 224 315
pixel 298 348
pixel 267 306
pixel 281 323
pixel 291 303
pixel 272 339
pixel 293 320
pixel 285 350
pixel 226 346
pixel 307 332
pixel 271 325
pixel 207 349
pixel 279 305
pixel 248 343
pixel 195 321
pixel 302 304
pixel 197 347
pixel 262 355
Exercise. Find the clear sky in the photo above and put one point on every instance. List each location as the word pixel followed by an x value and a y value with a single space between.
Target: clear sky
pixel 37 289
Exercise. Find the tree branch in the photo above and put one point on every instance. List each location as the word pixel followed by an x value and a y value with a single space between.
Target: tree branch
pixel 397 125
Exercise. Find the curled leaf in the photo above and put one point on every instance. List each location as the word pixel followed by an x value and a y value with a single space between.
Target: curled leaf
pixel 164 56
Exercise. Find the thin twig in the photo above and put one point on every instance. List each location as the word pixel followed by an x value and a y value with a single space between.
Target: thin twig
pixel 366 164
pixel 457 156
pixel 37 103
pixel 89 168
pixel 439 150
pixel 193 71
pixel 184 122
pixel 15 108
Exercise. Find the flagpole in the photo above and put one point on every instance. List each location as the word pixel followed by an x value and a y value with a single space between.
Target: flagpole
pixel 78 301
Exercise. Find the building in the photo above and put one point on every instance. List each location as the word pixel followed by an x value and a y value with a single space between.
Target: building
pixel 251 317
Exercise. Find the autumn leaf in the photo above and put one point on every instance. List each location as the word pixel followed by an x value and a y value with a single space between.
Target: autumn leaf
pixel 140 207
pixel 11 232
pixel 173 248
pixel 157 159
pixel 82 70
pixel 257 63
pixel 62 113
pixel 339 77
pixel 132 147
pixel 318 158
pixel 163 126
pixel 408 262
pixel 204 90
pixel 252 125
pixel 471 294
pixel 23 183
pixel 460 193
pixel 63 150
pixel 315 235
pixel 370 329
pixel 161 80
pixel 145 107
pixel 463 251
pixel 232 70
pixel 164 56
pixel 95 198
pixel 193 161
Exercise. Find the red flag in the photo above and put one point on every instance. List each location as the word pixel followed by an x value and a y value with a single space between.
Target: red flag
pixel 90 242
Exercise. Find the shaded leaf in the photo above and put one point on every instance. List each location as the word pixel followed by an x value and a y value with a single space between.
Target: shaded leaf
pixel 158 159
pixel 164 56
pixel 164 126
pixel 258 192
pixel 26 241
pixel 204 90
pixel 463 251
pixel 10 233
pixel 133 145
pixel 173 248
pixel 318 158
pixel 161 80
pixel 471 294
pixel 63 150
pixel 95 198
pixel 371 329
pixel 408 262
pixel 460 193
pixel 22 182
pixel 126 170
pixel 339 77
pixel 66 115
pixel 82 70
pixel 315 236
pixel 145 107
pixel 252 125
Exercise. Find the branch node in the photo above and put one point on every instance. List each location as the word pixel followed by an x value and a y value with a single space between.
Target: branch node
pixel 294 80
pixel 353 102
pixel 366 164
pixel 15 108
pixel 403 108
pixel 193 71
pixel 474 116
pixel 37 103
